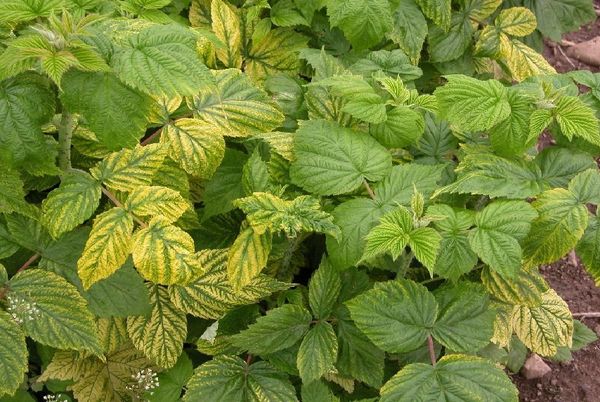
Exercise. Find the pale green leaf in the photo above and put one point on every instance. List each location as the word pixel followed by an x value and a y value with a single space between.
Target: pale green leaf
pixel 26 10
pixel 318 352
pixel 556 17
pixel 172 381
pixel 586 186
pixel 403 127
pixel 577 119
pixel 364 22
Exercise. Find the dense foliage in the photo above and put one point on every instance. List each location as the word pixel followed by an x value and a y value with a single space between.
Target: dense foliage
pixel 316 200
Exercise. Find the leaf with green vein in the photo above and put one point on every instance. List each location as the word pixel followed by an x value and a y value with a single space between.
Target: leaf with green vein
pixel 501 226
pixel 129 168
pixel 195 145
pixel 71 204
pixel 465 320
pixel 107 247
pixel 112 333
pixel 172 381
pixel 323 290
pixel 409 29
pixel 510 136
pixel 302 214
pixel 455 377
pixel 439 11
pixel 526 288
pixel 364 22
pixel 455 256
pixel 26 10
pixel 210 295
pixel 395 315
pixel 588 249
pixel 12 195
pixel 318 352
pixel 164 253
pixel 521 60
pixel 546 327
pixel 116 113
pixel 229 378
pixel 13 354
pixel 62 319
pixel 449 44
pixel 470 104
pixel 276 52
pixel 235 107
pixel 26 103
pixel 576 119
pixel 561 223
pixel 161 60
pixel 516 21
pixel 247 257
pixel 156 201
pixel 560 165
pixel 402 127
pixel 281 328
pixel 226 26
pixel 226 184
pixel 334 160
pixel 161 334
pixel 481 9
pixel 586 186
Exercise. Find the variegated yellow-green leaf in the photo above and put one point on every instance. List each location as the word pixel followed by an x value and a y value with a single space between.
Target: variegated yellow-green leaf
pixel 544 328
pixel 280 142
pixel 71 204
pixel 13 354
pixel 503 329
pixel 521 60
pixel 67 365
pixel 437 10
pixel 52 311
pixel 160 335
pixel 112 332
pixel 526 288
pixel 247 257
pixel 226 26
pixel 129 168
pixel 266 211
pixel 164 253
pixel 210 294
pixel 235 107
pixel 156 201
pixel 516 21
pixel 196 145
pixel 108 246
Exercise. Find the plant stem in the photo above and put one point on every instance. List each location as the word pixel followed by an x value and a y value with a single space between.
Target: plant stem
pixel 591 314
pixel 432 280
pixel 148 140
pixel 431 350
pixel 118 203
pixel 65 133
pixel 23 267
pixel 369 190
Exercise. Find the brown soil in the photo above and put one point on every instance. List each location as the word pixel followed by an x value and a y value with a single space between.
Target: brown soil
pixel 579 379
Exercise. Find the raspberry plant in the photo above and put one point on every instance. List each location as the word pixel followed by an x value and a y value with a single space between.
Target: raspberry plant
pixel 314 200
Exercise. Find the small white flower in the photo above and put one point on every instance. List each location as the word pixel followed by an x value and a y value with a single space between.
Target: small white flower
pixel 146 380
pixel 22 310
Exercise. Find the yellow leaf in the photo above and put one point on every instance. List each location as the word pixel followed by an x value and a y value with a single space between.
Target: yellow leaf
pixel 226 26
pixel 521 60
pixel 156 201
pixel 516 21
pixel 247 257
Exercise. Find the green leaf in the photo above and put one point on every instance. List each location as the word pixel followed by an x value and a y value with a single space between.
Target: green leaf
pixel 130 168
pixel 13 354
pixel 284 14
pixel 561 223
pixel 510 136
pixel 60 316
pixel 465 322
pixel 164 253
pixel 546 327
pixel 577 119
pixel 161 334
pixel 439 11
pixel 266 211
pixel 116 113
pixel 161 60
pixel 394 63
pixel 156 201
pixel 26 102
pixel 470 104
pixel 71 204
pixel 318 391
pixel 323 290
pixel 588 249
pixel 26 10
pixel 235 107
pixel 333 160
pixel 210 294
pixel 501 225
pixel 526 288
pixel 247 257
pixel 195 145
pixel 395 315
pixel 226 184
pixel 586 186
pixel 255 174
pixel 556 17
pixel 281 328
pixel 409 29
pixel 229 378
pixel 454 378
pixel 446 45
pixel 398 187
pixel 107 247
pixel 226 26
pixel 12 195
pixel 516 21
pixel 364 22
pixel 560 165
pixel 172 381
pixel 582 335
pixel 403 127
pixel 318 352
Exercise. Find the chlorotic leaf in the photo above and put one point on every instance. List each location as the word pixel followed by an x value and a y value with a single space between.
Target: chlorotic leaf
pixel 521 60
pixel 526 288
pixel 516 21
pixel 437 10
pixel 13 354
pixel 226 26
pixel 247 257
pixel 156 201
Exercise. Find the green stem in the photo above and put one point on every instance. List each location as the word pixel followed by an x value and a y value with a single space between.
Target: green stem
pixel 65 133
